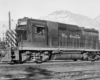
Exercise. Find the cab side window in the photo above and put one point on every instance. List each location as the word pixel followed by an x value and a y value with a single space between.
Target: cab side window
pixel 40 30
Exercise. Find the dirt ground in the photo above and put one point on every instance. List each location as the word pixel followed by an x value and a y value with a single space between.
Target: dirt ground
pixel 50 72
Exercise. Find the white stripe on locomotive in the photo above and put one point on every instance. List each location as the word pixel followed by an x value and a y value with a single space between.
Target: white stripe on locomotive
pixel 9 41
pixel 11 38
pixel 10 32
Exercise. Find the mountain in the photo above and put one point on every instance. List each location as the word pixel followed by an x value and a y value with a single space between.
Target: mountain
pixel 60 16
pixel 71 18
pixel 68 17
pixel 97 18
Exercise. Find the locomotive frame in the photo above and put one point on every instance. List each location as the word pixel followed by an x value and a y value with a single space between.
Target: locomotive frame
pixel 40 40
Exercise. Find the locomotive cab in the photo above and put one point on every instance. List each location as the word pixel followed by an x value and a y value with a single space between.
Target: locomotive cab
pixel 21 29
pixel 31 33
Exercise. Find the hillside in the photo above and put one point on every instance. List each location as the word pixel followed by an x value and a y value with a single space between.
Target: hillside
pixel 71 18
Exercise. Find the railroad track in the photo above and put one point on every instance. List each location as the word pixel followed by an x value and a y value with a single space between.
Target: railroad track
pixel 78 75
pixel 53 62
pixel 68 75
pixel 57 70
pixel 93 78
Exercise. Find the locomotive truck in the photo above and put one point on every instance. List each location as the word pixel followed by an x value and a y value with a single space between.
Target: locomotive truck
pixel 36 40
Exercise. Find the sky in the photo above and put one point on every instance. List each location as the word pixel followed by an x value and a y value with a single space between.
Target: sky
pixel 39 8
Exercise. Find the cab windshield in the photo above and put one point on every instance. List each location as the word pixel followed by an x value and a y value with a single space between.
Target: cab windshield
pixel 21 25
pixel 21 30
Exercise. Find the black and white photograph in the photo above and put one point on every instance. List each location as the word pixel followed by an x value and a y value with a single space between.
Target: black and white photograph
pixel 49 39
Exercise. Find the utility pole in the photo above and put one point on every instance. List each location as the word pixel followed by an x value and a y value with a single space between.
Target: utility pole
pixel 9 20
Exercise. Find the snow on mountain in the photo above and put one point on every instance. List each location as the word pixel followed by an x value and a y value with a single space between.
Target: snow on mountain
pixel 71 18
pixel 97 18
pixel 67 17
pixel 97 23
pixel 60 16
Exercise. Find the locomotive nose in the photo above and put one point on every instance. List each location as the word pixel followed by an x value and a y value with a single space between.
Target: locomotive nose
pixel 21 34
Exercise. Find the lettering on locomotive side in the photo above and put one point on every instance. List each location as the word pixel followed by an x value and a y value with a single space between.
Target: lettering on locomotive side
pixel 75 36
pixel 70 36
pixel 64 35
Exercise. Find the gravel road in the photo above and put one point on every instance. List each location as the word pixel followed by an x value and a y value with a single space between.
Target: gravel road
pixel 57 71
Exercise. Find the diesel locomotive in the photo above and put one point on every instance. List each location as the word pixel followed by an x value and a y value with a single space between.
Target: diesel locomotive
pixel 36 40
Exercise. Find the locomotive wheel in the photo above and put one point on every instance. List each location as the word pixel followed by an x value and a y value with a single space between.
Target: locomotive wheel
pixel 39 60
pixel 42 58
pixel 97 58
pixel 92 60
